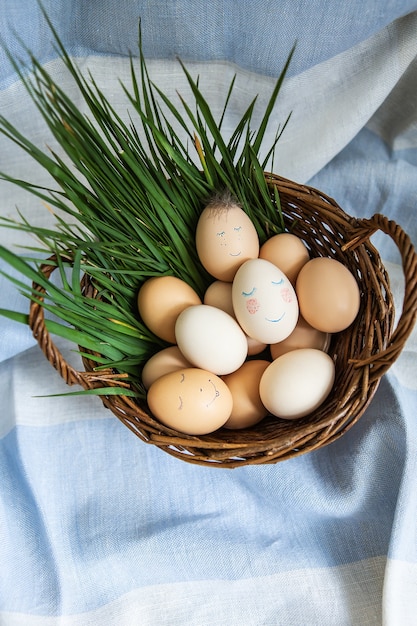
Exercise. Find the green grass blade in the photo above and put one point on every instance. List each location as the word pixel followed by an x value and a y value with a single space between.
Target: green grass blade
pixel 98 391
pixel 21 318
pixel 264 123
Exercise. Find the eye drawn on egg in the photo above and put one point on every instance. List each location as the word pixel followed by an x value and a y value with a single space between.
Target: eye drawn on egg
pixel 201 389
pixel 285 295
pixel 181 404
pixel 236 229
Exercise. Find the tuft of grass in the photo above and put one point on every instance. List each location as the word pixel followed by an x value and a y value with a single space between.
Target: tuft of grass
pixel 133 205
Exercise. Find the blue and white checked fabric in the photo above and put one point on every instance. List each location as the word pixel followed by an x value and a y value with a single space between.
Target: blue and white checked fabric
pixel 99 529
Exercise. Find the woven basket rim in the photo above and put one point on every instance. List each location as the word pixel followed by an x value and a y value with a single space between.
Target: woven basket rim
pixel 362 354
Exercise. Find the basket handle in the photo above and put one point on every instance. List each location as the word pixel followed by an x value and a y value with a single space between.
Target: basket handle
pixel 363 229
pixel 87 379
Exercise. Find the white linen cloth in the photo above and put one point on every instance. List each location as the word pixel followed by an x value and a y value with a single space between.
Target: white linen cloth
pixel 99 529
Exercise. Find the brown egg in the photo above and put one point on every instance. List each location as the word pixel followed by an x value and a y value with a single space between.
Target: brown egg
pixel 328 295
pixel 163 362
pixel 160 301
pixel 225 238
pixel 191 400
pixel 244 386
pixel 219 294
pixel 303 336
pixel 287 252
pixel 254 346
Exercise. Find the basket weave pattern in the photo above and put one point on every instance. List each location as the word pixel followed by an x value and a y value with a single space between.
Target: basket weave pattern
pixel 362 353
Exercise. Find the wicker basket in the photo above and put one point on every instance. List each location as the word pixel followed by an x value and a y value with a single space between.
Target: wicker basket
pixel 362 353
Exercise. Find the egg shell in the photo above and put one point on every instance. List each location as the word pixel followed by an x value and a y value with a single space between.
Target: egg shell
pixel 163 362
pixel 254 346
pixel 211 339
pixel 286 251
pixel 264 301
pixel 328 294
pixel 248 408
pixel 160 300
pixel 219 294
pixel 190 400
pixel 303 336
pixel 297 383
pixel 225 238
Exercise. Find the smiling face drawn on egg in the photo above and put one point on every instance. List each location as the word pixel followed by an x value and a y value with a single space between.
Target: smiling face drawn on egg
pixel 207 391
pixel 191 400
pixel 256 298
pixel 264 301
pixel 225 238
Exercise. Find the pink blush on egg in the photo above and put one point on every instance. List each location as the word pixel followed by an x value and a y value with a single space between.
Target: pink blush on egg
pixel 286 294
pixel 252 306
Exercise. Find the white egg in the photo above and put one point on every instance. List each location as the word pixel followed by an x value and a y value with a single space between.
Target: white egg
pixel 264 301
pixel 297 383
pixel 211 339
pixel 219 294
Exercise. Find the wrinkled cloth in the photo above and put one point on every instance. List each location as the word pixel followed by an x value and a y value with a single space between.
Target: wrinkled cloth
pixel 100 529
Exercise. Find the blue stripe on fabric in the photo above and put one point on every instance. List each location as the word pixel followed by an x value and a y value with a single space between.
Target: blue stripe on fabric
pixel 255 37
pixel 346 595
pixel 89 512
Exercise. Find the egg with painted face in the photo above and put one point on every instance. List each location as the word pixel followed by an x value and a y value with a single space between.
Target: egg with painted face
pixel 225 238
pixel 191 400
pixel 264 301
